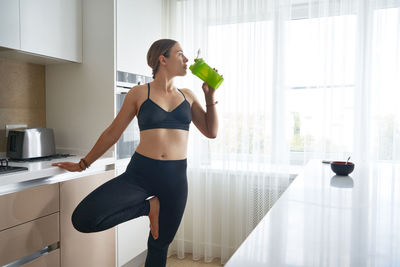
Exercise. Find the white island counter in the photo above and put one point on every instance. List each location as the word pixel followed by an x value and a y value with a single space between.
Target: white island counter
pixel 328 220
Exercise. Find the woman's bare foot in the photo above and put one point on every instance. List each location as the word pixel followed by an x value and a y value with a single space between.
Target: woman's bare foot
pixel 153 216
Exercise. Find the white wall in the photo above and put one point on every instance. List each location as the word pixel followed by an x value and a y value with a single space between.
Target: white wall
pixel 138 26
pixel 80 97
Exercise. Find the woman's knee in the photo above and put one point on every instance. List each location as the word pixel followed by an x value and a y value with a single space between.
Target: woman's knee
pixel 84 219
pixel 88 212
pixel 82 222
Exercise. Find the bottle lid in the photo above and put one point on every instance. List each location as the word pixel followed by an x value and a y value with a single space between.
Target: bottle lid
pixel 197 62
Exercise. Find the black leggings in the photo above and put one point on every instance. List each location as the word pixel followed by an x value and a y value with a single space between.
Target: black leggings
pixel 124 198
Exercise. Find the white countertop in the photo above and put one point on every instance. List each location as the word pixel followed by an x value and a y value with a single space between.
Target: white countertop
pixel 42 172
pixel 328 220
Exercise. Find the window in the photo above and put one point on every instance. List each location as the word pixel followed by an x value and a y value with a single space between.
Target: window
pixel 318 70
pixel 320 78
pixel 245 54
pixel 385 84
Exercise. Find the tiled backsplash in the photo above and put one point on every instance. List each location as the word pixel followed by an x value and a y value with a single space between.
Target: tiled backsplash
pixel 22 96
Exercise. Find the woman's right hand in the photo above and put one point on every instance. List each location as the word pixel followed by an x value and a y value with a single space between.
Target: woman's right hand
pixel 69 166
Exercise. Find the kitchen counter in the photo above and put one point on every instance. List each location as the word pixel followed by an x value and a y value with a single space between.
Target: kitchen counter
pixel 328 220
pixel 41 172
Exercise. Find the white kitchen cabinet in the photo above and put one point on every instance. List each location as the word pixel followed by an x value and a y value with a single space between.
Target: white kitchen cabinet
pixel 9 24
pixel 138 26
pixel 52 28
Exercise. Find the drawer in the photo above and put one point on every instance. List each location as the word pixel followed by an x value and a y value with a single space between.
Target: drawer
pixel 49 260
pixel 20 207
pixel 22 240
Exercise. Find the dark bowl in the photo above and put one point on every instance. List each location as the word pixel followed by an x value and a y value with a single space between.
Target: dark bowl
pixel 341 168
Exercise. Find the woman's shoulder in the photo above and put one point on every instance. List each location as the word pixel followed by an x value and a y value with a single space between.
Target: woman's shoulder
pixel 138 91
pixel 189 93
pixel 140 88
pixel 190 96
pixel 137 94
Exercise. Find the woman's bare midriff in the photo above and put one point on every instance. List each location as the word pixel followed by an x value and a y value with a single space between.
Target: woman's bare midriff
pixel 163 144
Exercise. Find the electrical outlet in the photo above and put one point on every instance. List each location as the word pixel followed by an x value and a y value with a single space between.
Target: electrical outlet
pixel 14 126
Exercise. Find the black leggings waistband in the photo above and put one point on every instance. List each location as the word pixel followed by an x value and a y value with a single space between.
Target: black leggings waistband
pixel 139 156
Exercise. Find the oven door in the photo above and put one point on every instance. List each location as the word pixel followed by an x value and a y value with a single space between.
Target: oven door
pixel 129 140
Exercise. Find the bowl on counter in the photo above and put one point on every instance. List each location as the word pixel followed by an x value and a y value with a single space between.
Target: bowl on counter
pixel 341 168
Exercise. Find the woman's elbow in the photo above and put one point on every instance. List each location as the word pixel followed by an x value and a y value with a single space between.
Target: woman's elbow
pixel 112 136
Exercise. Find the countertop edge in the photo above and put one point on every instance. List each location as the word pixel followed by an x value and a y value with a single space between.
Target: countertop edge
pixel 55 175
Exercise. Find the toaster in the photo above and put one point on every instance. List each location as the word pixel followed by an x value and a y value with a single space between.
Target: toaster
pixel 29 143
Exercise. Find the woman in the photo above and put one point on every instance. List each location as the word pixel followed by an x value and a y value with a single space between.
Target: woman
pixel 158 166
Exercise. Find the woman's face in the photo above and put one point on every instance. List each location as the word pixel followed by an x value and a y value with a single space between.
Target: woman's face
pixel 176 62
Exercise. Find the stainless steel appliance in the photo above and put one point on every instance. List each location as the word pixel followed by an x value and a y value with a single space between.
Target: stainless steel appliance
pixel 28 143
pixel 129 140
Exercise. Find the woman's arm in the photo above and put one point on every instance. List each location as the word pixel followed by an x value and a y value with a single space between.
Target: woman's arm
pixel 205 121
pixel 110 136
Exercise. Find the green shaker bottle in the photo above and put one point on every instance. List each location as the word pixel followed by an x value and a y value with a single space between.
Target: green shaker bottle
pixel 206 73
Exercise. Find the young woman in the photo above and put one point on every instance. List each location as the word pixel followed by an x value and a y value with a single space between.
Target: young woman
pixel 158 166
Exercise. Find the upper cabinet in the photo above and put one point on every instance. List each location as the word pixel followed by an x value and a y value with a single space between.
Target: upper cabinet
pixel 9 24
pixel 49 28
pixel 52 28
pixel 138 26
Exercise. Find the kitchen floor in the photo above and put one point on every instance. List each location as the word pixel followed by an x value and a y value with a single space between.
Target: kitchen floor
pixel 173 261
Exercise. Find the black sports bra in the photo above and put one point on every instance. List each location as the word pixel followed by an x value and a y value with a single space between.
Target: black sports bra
pixel 151 115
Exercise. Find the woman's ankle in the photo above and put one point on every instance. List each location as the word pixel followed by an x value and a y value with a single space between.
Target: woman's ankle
pixel 153 201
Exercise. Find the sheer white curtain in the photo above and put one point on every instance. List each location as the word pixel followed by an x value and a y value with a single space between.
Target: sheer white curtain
pixel 303 79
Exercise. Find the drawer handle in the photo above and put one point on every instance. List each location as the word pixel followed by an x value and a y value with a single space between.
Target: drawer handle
pixel 34 255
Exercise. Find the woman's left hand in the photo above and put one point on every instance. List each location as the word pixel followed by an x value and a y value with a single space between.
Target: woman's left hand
pixel 69 166
pixel 208 90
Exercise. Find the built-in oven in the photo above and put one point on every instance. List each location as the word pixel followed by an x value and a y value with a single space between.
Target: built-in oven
pixel 129 140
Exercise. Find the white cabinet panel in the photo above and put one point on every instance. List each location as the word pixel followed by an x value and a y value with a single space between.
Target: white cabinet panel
pixel 52 28
pixel 132 239
pixel 9 23
pixel 138 26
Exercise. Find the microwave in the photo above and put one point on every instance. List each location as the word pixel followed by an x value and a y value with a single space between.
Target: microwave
pixel 129 140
